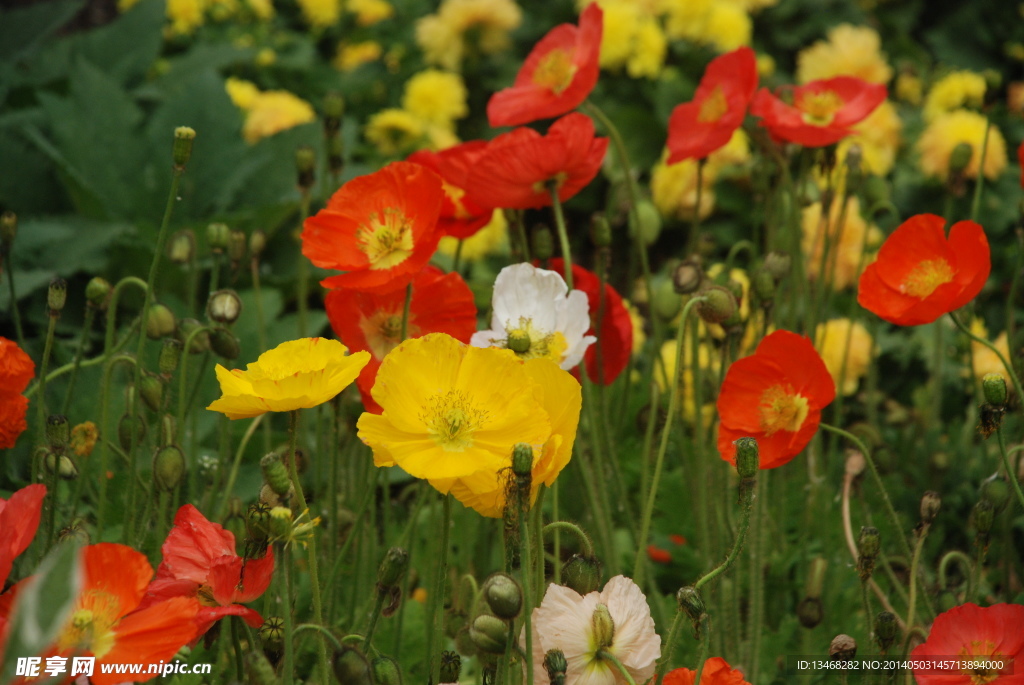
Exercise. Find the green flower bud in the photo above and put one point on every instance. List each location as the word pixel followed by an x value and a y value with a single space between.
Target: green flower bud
pixel 451 667
pixel 687 277
pixel 275 474
pixel 125 429
pixel 601 231
pixel 960 158
pixel 748 459
pixel 200 341
pixel 58 432
pixel 869 544
pixel 335 155
pixel 886 630
pixel 778 264
pixel 236 246
pixel 182 149
pixel 518 341
pixel 930 504
pixel 647 225
pixel 556 666
pixel 763 285
pixel 351 667
pixel 305 165
pixel 810 612
pixel 224 343
pixel 392 568
pixel 97 293
pixel 160 321
pixel 218 235
pixel 719 305
pixel 489 634
pixel 386 671
pixel 57 295
pixel 543 242
pixel 151 390
pixel 843 648
pixel 691 603
pixel 582 574
pixel 257 243
pixel 8 228
pixel 259 669
pixel 984 516
pixel 170 355
pixel 522 460
pixel 603 627
pixel 994 386
pixel 181 248
pixel 168 467
pixel 334 108
pixel 996 490
pixel 666 302
pixel 64 465
pixel 503 595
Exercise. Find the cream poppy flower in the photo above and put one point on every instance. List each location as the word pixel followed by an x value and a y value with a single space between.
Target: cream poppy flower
pixel 580 628
pixel 536 316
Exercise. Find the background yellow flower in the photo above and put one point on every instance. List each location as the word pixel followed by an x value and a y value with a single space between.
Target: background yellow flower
pixel 849 51
pixel 961 126
pixel 841 338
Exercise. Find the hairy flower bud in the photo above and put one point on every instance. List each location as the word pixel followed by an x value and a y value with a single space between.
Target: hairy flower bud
pixel 647 225
pixel 218 235
pixel 392 568
pixel 160 321
pixel 200 342
pixel 151 391
pixel 503 595
pixel 582 574
pixel 603 627
pixel 960 158
pixel 275 474
pixel 778 264
pixel 747 458
pixel 58 432
pixel 170 355
pixel 182 149
pixel 719 305
pixel 984 516
pixel 665 301
pixel 996 490
pixel 451 667
pixel 930 504
pixel 386 671
pixel 763 285
pixel 994 386
pixel 130 430
pixel 886 630
pixel 489 633
pixel 168 467
pixel 600 231
pixel 556 666
pixel 97 293
pixel 224 343
pixel 351 667
pixel 868 545
pixel 57 295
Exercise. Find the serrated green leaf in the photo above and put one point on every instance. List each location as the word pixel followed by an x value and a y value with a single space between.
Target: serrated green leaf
pixel 43 606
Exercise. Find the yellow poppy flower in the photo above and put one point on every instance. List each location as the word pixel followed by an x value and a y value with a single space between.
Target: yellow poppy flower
pixel 451 410
pixel 298 374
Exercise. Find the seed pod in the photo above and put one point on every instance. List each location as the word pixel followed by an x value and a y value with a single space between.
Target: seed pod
pixel 160 321
pixel 57 295
pixel 994 386
pixel 451 667
pixel 556 666
pixel 392 568
pixel 275 474
pixel 843 648
pixel 200 341
pixel 181 151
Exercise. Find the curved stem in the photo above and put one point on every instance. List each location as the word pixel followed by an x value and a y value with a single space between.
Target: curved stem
pixel 965 564
pixel 76 363
pixel 323 631
pixel 608 656
pixel 586 546
pixel 986 343
pixel 1011 472
pixel 670 646
pixel 737 546
pixel 41 402
pixel 914 564
pixel 378 605
pixel 563 234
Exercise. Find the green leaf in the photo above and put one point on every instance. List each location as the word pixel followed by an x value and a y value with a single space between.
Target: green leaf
pixel 43 606
pixel 127 47
pixel 24 28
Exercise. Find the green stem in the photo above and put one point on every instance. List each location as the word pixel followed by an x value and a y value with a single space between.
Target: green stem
pixel 866 599
pixel 327 634
pixel 979 184
pixel 237 644
pixel 645 526
pixel 314 573
pixel 303 289
pixel 1011 472
pixel 586 546
pixel 15 314
pixel 437 600
pixel 284 589
pixel 527 578
pixel 405 311
pixel 90 315
pixel 757 579
pixel 702 655
pixel 378 605
pixel 261 330
pixel 41 400
pixel 986 343
pixel 914 565
pixel 693 240
pixel 233 475
pixel 670 646
pixel 737 547
pixel 563 234
pixel 607 656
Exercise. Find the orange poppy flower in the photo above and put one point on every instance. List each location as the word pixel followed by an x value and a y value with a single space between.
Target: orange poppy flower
pixel 16 367
pixel 460 216
pixel 971 632
pixel 776 396
pixel 441 303
pixel 822 112
pixel 920 275
pixel 12 418
pixel 556 77
pixel 514 170
pixel 19 516
pixel 716 672
pixel 706 123
pixel 199 560
pixel 659 555
pixel 381 228
pixel 106 623
pixel 616 334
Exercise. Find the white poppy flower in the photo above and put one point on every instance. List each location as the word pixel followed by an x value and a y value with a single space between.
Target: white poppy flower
pixel 565 620
pixel 535 315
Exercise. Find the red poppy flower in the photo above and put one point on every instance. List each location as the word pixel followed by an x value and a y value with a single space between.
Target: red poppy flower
pixel 556 77
pixel 967 631
pixel 19 518
pixel 514 170
pixel 822 112
pixel 716 672
pixel 199 560
pixel 1020 161
pixel 441 303
pixel 381 228
pixel 107 623
pixel 16 367
pixel 659 555
pixel 776 396
pixel 920 275
pixel 706 123
pixel 677 539
pixel 460 216
pixel 616 336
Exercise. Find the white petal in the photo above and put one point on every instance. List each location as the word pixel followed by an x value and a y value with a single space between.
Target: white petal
pixel 573 322
pixel 524 291
pixel 487 338
pixel 636 644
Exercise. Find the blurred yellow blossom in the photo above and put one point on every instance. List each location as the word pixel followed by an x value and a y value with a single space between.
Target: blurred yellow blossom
pixel 909 88
pixel 728 27
pixel 649 48
pixel 261 9
pixel 709 364
pixel 492 239
pixel 185 15
pixel 619 27
pixel 632 38
pixel 846 243
pixel 953 91
pixel 984 360
pixel 637 319
pixel 442 36
pixel 320 13
pixel 394 131
pixel 879 139
pixel 265 57
pixel 220 10
pixel 274 111
pixel 242 93
pixel 674 186
pixel 849 51
pixel 840 339
pixel 370 12
pixel 437 97
pixel 961 126
pixel 765 65
pixel 351 56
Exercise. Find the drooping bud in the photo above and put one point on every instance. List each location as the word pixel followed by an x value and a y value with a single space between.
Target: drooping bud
pixel 647 226
pixel 451 667
pixel 984 516
pixel 126 427
pixel 603 627
pixel 200 342
pixel 305 166
pixel 489 634
pixel 257 243
pixel 168 467
pixel 996 490
pixel 692 604
pixel 392 568
pixel 543 242
pixel 224 306
pixel 582 574
pixel 518 341
pixel 182 150
pixel 886 630
pixel 719 305
pixel 151 390
pixel 869 544
pixel 224 343
pixel 236 246
pixel 503 595
pixel 64 465
pixel 687 277
pixel 810 612
pixel 57 295
pixel 181 248
pixel 556 666
pixel 351 667
pixel 275 474
pixel 160 321
pixel 97 293
pixel 777 264
pixel 930 504
pixel 58 432
pixel 170 355
pixel 960 158
pixel 600 231
pixel 218 235
pixel 665 301
pixel 386 671
pixel 763 286
pixel 994 386
pixel 843 648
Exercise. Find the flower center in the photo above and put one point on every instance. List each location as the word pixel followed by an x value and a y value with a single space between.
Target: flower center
pixel 926 277
pixel 455 194
pixel 91 626
pixel 544 187
pixel 713 107
pixel 383 331
pixel 983 652
pixel 782 409
pixel 386 241
pixel 530 343
pixel 205 596
pixel 819 108
pixel 452 419
pixel 555 71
